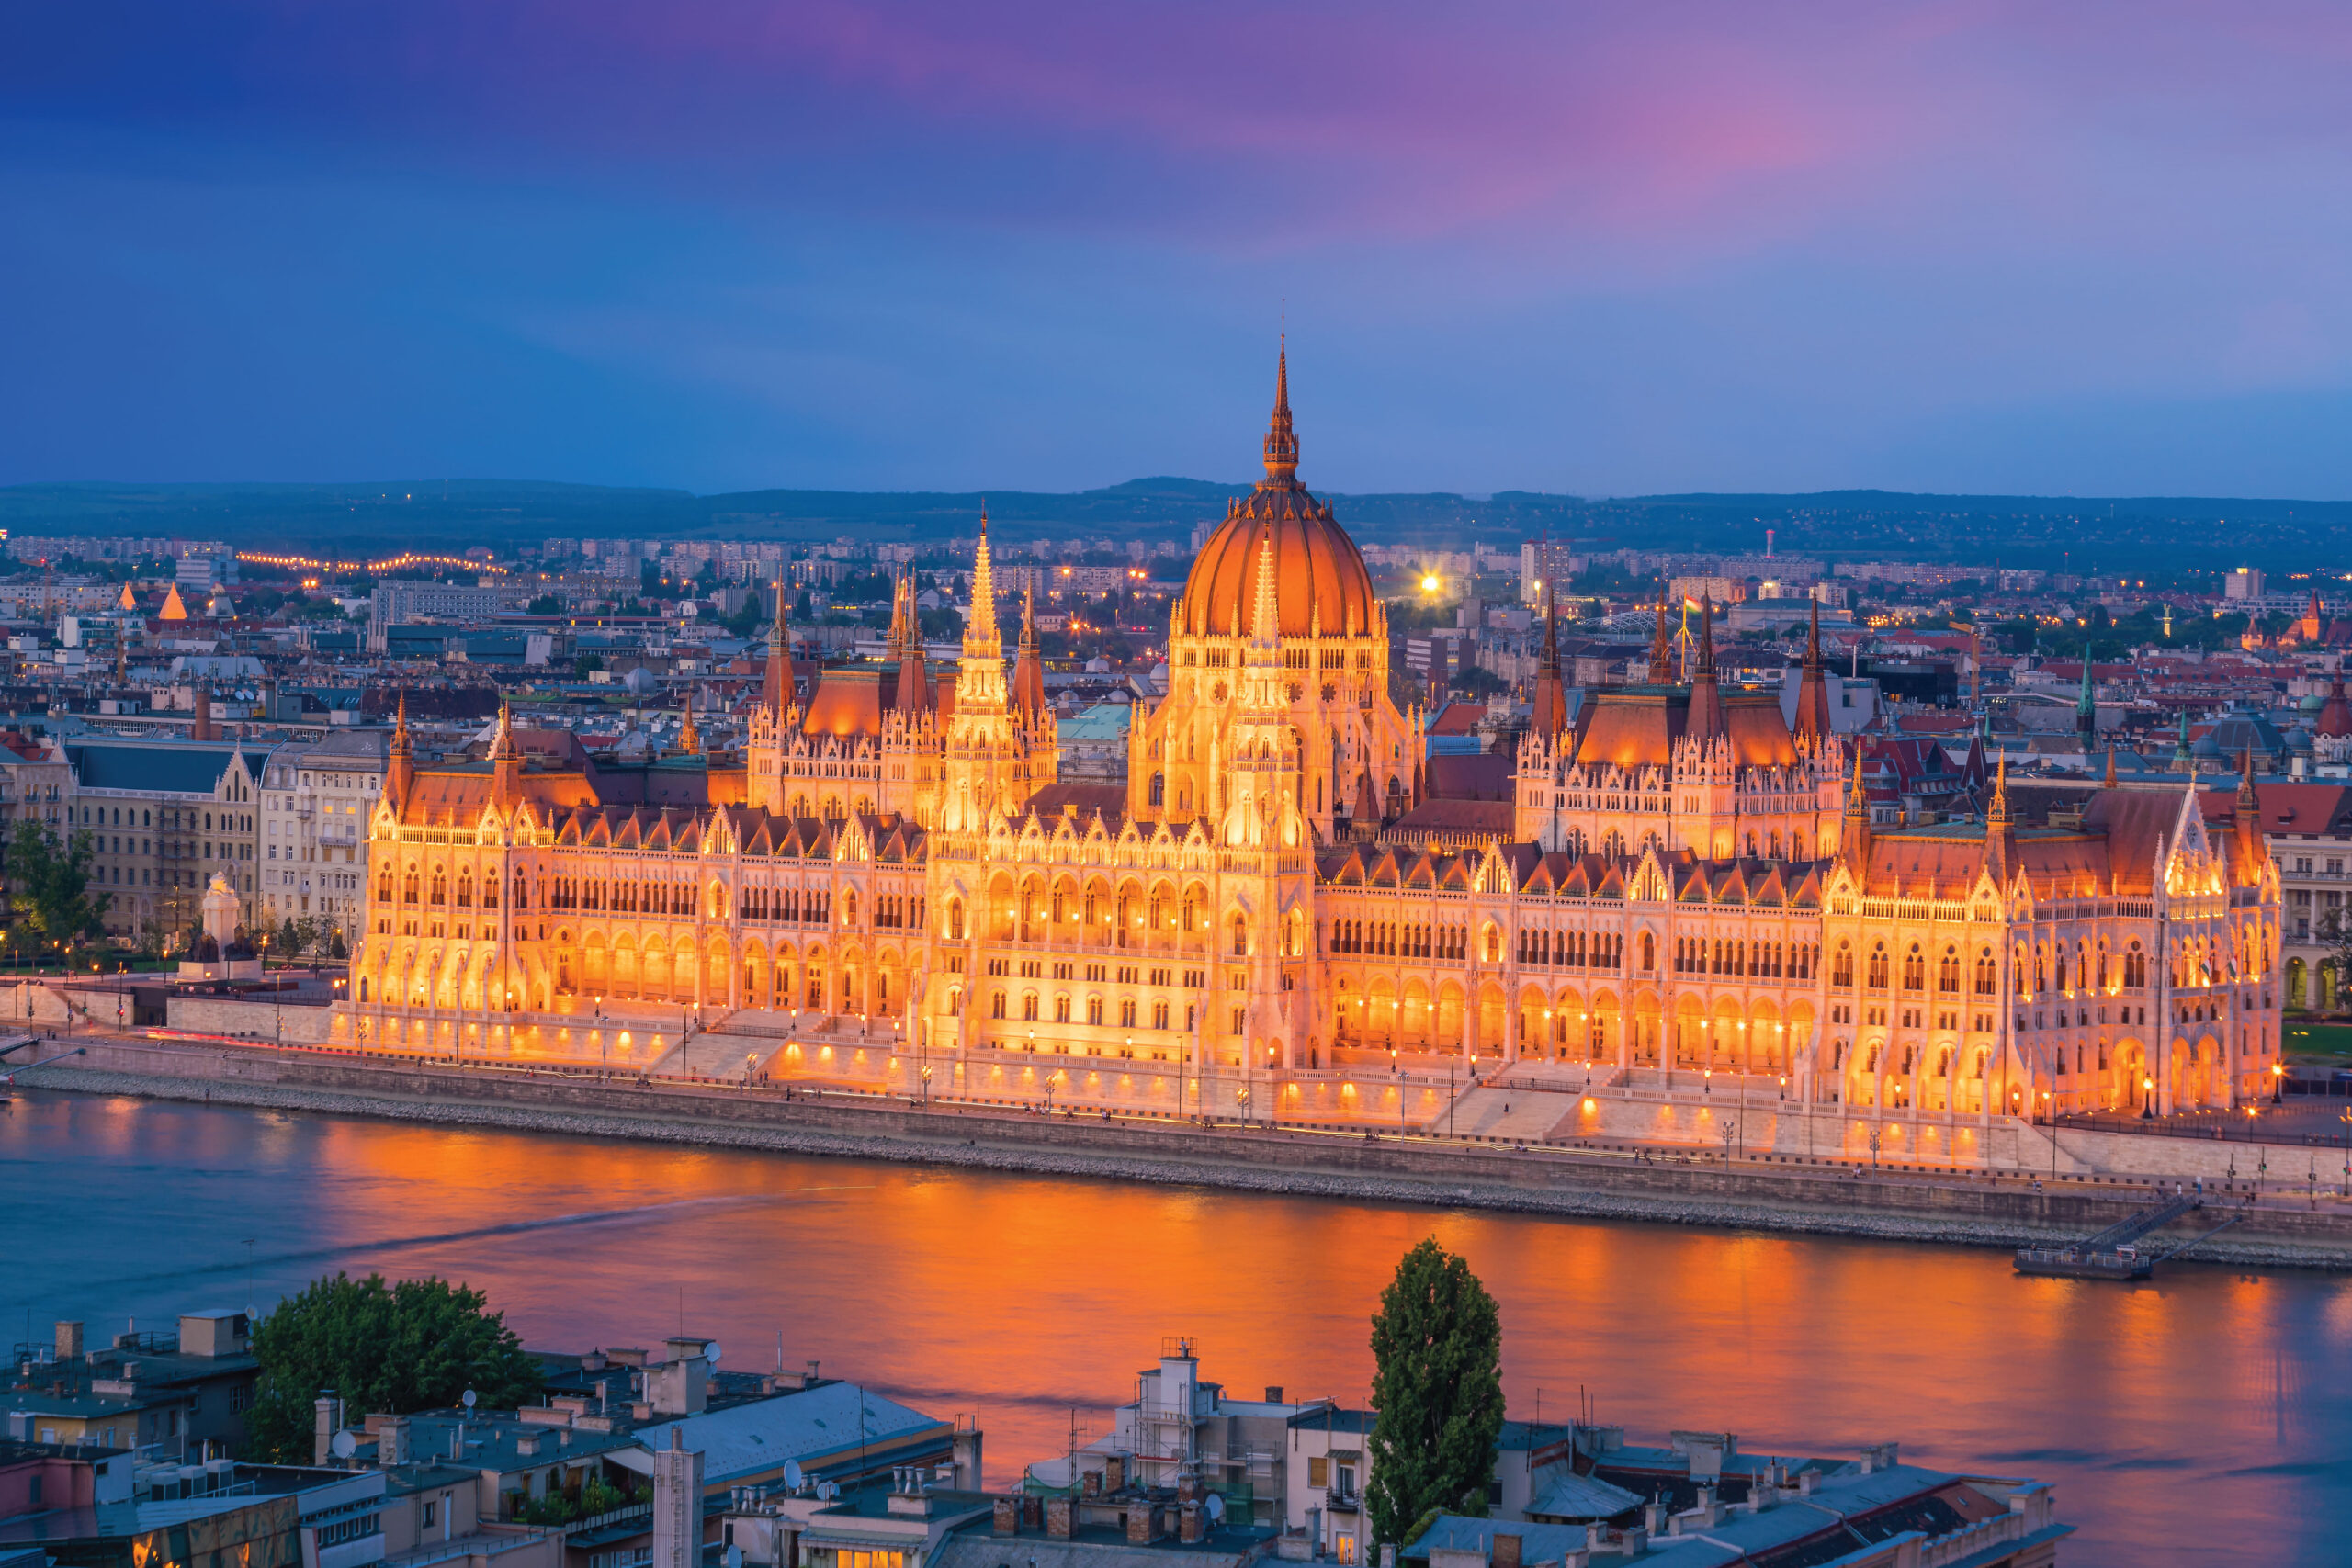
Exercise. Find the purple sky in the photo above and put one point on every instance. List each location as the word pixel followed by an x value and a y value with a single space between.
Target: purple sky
pixel 2098 247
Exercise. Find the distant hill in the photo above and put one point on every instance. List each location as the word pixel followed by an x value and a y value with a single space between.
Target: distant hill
pixel 2103 533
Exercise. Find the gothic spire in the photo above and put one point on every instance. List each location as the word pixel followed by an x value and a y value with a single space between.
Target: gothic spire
pixel 1813 687
pixel 1282 442
pixel 1661 671
pixel 777 689
pixel 982 639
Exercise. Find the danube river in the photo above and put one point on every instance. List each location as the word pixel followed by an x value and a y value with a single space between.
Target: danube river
pixel 2204 1418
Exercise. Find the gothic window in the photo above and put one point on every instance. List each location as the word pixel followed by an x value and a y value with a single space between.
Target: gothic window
pixel 1061 1010
pixel 1029 1006
pixel 1240 937
pixel 1159 789
pixel 1948 972
pixel 955 919
pixel 996 1004
pixel 1878 966
pixel 1649 951
pixel 1984 973
pixel 440 886
pixel 1915 970
pixel 465 889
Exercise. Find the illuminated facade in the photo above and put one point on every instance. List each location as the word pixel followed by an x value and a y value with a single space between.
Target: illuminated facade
pixel 893 886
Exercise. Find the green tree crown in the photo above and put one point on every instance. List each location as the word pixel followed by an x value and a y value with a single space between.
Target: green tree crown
pixel 417 1345
pixel 1437 1393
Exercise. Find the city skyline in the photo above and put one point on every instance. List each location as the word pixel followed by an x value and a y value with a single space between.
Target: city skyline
pixel 1699 250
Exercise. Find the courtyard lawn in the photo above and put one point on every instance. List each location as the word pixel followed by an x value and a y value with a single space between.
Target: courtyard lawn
pixel 2320 1044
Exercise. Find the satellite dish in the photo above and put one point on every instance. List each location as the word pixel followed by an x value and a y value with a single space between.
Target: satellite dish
pixel 792 1477
pixel 469 1399
pixel 1216 1507
pixel 344 1445
pixel 710 1352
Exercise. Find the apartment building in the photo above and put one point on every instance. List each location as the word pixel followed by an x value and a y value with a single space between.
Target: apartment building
pixel 315 801
pixel 164 815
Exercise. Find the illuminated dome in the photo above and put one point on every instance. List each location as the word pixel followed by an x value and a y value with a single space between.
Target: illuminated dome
pixel 1320 576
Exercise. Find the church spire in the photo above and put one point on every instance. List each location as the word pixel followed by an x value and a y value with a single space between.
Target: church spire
pixel 1281 443
pixel 689 738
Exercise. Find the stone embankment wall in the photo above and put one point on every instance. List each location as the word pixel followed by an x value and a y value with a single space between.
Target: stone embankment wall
pixel 1980 1209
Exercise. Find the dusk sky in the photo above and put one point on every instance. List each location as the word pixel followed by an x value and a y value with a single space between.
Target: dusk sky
pixel 2097 248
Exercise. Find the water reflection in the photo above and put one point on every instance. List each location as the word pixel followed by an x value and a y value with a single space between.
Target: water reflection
pixel 1021 1299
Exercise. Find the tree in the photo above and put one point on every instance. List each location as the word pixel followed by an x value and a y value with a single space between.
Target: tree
pixel 1437 1393
pixel 49 884
pixel 2335 933
pixel 418 1345
pixel 546 604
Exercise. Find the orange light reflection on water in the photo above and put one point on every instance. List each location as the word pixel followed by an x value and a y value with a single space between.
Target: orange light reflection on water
pixel 1019 1297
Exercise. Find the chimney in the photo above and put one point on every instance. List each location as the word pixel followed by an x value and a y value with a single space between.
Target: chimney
pixel 1140 1521
pixel 1653 1517
pixel 965 1452
pixel 1091 1483
pixel 1805 1483
pixel 326 1420
pixel 391 1440
pixel 1189 1520
pixel 69 1341
pixel 1033 1513
pixel 1114 1473
pixel 1188 1487
pixel 1008 1516
pixel 1506 1554
pixel 1061 1517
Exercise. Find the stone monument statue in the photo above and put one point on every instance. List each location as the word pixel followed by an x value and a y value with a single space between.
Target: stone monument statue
pixel 221 908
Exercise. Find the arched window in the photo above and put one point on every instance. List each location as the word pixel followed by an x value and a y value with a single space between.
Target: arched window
pixel 1649 951
pixel 1159 789
pixel 2135 967
pixel 1984 973
pixel 1841 969
pixel 996 1004
pixel 955 919
pixel 1878 966
pixel 1240 937
pixel 1029 1006
pixel 1948 972
pixel 440 886
pixel 1915 969
pixel 1061 1009
pixel 465 887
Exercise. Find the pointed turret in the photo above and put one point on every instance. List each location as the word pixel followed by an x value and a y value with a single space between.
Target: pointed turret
pixel 689 738
pixel 911 693
pixel 400 771
pixel 1548 702
pixel 505 762
pixel 1812 686
pixel 1706 720
pixel 2248 821
pixel 2111 780
pixel 1854 836
pixel 1661 671
pixel 2000 834
pixel 777 690
pixel 1028 694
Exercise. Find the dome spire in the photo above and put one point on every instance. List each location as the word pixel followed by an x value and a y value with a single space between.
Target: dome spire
pixel 1281 443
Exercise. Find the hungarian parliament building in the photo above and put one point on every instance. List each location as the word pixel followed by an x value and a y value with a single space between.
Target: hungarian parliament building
pixel 1279 915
